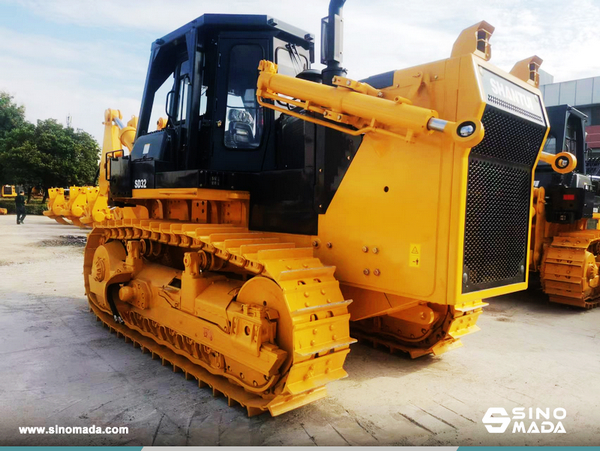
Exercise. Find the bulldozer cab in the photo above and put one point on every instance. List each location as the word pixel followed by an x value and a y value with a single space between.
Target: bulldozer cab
pixel 202 82
pixel 567 134
pixel 572 196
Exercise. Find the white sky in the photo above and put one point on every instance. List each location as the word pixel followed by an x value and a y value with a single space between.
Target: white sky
pixel 67 57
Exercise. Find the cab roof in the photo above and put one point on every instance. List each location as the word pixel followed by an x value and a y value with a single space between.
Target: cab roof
pixel 240 22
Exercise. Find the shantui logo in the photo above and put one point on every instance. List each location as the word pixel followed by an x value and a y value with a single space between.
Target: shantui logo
pixel 528 421
pixel 511 94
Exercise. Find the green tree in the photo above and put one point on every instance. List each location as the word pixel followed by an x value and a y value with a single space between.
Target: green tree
pixel 18 155
pixel 69 157
pixel 49 155
pixel 12 116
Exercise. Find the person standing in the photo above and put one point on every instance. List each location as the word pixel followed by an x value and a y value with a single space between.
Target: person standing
pixel 20 204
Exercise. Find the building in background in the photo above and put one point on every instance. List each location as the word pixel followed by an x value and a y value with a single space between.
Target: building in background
pixel 545 77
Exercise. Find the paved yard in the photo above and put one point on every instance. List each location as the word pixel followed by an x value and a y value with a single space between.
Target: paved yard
pixel 58 366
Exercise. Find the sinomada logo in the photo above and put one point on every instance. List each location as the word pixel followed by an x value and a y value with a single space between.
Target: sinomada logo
pixel 528 421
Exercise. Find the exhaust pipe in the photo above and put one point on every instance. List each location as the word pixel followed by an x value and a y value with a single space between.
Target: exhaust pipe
pixel 332 42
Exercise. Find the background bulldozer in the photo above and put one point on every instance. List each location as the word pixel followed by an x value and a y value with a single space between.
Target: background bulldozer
pixel 565 235
pixel 275 204
pixel 8 191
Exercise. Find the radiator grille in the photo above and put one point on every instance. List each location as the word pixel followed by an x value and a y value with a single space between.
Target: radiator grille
pixel 498 196
pixel 509 138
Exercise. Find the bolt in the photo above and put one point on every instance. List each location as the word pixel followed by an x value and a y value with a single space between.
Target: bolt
pixel 348 158
pixel 375 250
pixel 306 294
pixel 329 245
pixel 320 169
pixel 339 117
pixel 376 272
pixel 380 94
pixel 366 272
pixel 322 291
pixel 348 83
pixel 315 243
pixel 365 249
pixel 435 77
pixel 314 331
pixel 465 278
pixel 466 130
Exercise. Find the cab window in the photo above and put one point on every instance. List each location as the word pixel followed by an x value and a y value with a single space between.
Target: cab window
pixel 244 116
pixel 289 61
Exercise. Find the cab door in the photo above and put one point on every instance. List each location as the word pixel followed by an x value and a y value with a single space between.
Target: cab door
pixel 240 130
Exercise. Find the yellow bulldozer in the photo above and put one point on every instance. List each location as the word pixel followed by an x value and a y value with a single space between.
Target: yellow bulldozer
pixel 565 241
pixel 71 208
pixel 8 191
pixel 78 205
pixel 276 204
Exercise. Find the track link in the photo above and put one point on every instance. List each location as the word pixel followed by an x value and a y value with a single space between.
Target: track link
pixel 569 273
pixel 316 308
pixel 459 320
pixel 254 404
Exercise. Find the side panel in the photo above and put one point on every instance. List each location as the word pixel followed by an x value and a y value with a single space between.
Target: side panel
pixel 388 200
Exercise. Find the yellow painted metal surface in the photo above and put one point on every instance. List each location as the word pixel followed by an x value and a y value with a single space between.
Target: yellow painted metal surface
pixel 562 162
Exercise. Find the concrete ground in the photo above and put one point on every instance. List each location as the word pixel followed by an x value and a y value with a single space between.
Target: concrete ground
pixel 58 366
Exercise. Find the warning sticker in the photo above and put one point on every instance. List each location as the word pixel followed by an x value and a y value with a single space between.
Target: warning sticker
pixel 414 256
